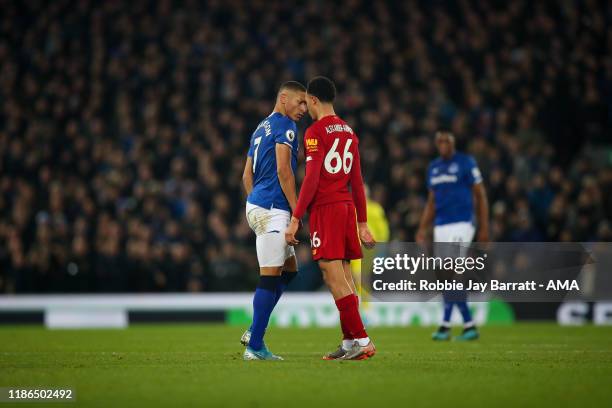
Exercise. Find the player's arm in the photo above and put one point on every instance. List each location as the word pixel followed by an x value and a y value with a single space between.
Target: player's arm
pixel 307 193
pixel 359 199
pixel 286 177
pixel 481 203
pixel 247 175
pixel 482 211
pixel 426 219
pixel 314 161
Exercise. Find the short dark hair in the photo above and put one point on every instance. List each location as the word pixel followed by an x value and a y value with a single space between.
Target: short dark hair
pixel 292 86
pixel 323 88
pixel 444 131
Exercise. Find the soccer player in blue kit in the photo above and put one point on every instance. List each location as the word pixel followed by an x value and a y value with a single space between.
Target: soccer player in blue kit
pixel 269 180
pixel 455 193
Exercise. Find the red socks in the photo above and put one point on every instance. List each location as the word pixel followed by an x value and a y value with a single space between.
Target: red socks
pixel 346 335
pixel 350 320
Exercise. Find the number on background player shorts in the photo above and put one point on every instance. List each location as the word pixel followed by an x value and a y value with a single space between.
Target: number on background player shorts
pixel 333 232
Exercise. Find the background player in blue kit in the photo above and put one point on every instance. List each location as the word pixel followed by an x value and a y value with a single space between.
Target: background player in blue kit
pixel 455 193
pixel 269 181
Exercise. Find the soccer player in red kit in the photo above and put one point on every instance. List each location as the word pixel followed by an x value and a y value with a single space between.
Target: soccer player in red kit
pixel 332 165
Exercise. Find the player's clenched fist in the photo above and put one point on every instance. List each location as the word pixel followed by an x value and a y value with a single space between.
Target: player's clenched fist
pixel 366 236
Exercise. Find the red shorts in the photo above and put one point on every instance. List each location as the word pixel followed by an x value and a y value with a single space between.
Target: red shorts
pixel 333 232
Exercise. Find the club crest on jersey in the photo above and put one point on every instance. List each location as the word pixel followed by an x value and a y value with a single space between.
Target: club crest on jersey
pixel 453 168
pixel 290 134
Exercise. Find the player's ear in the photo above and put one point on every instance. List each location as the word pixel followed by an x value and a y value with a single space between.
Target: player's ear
pixel 283 97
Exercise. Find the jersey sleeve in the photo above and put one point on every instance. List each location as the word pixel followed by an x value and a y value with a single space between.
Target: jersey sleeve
pixel 473 176
pixel 286 133
pixel 314 161
pixel 313 150
pixel 357 188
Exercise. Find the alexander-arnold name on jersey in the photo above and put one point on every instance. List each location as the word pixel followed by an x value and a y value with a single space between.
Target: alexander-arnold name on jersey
pixel 338 128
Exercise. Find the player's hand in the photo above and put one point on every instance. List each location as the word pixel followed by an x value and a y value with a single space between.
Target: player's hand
pixel 365 235
pixel 420 237
pixel 483 235
pixel 300 223
pixel 292 229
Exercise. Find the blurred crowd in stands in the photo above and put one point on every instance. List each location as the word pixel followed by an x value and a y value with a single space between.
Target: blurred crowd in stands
pixel 124 126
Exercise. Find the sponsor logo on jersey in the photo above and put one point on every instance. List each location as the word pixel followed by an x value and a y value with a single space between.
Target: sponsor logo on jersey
pixel 443 178
pixel 312 145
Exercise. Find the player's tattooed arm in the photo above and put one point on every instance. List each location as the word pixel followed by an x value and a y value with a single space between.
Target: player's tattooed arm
pixel 285 174
pixel 247 175
pixel 426 219
pixel 482 212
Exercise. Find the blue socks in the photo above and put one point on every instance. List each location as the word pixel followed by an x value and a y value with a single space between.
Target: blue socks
pixel 458 298
pixel 448 310
pixel 267 295
pixel 263 304
pixel 465 312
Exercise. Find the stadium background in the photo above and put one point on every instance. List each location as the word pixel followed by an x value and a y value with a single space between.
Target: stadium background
pixel 124 126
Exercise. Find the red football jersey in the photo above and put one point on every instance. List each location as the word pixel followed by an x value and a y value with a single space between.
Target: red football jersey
pixel 332 165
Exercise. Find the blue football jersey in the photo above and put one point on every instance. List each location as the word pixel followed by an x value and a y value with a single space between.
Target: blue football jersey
pixel 276 128
pixel 451 182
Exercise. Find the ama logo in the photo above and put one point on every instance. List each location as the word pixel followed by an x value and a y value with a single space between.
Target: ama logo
pixel 562 285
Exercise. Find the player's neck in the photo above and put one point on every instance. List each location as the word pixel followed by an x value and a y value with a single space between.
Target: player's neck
pixel 279 108
pixel 449 156
pixel 326 110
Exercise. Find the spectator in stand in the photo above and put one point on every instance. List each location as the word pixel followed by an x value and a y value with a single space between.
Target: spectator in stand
pixel 123 124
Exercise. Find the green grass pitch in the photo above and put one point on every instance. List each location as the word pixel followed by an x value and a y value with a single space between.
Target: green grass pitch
pixel 538 365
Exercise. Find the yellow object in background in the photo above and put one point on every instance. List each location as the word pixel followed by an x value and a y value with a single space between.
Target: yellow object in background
pixel 379 226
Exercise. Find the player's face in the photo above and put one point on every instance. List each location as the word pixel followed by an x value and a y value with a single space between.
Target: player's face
pixel 311 101
pixel 295 105
pixel 445 144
